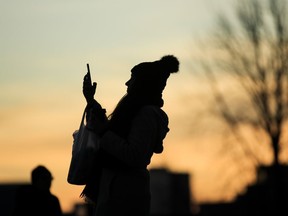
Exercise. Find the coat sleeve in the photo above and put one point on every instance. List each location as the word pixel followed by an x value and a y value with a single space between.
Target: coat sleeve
pixel 138 148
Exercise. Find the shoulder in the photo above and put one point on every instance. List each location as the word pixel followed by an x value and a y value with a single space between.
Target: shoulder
pixel 154 112
pixel 152 109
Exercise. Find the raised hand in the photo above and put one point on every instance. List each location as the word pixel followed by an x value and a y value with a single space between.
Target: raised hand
pixel 89 89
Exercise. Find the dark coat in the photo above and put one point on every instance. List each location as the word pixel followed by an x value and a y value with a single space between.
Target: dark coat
pixel 126 190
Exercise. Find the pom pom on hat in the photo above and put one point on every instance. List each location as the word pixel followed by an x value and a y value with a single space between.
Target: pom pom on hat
pixel 169 63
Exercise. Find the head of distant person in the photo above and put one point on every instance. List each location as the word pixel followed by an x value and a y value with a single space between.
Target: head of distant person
pixel 41 178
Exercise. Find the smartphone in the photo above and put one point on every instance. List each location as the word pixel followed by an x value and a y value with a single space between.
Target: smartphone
pixel 88 74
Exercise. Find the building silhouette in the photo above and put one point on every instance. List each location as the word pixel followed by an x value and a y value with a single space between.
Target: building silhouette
pixel 268 195
pixel 170 193
pixel 7 197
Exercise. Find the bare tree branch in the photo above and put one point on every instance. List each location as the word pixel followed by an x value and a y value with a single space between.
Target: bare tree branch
pixel 254 53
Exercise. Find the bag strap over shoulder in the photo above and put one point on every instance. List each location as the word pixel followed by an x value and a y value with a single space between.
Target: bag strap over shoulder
pixel 83 117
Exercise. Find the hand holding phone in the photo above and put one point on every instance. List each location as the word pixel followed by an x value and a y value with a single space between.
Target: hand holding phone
pixel 87 77
pixel 89 89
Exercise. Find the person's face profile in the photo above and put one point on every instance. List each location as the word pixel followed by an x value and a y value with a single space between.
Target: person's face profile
pixel 130 84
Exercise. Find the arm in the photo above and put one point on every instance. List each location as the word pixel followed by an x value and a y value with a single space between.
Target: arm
pixel 95 115
pixel 137 149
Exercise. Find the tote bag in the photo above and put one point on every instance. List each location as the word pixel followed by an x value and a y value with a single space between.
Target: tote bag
pixel 84 150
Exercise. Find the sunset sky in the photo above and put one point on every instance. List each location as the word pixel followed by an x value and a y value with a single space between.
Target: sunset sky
pixel 45 46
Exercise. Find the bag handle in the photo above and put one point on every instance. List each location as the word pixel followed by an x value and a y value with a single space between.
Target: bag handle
pixel 81 125
pixel 83 117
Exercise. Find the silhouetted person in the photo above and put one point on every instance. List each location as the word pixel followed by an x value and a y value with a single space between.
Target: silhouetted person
pixel 36 199
pixel 129 137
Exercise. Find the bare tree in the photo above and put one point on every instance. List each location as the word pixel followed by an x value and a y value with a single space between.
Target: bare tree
pixel 253 51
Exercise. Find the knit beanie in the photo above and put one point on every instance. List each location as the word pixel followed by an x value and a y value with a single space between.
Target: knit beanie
pixel 152 76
